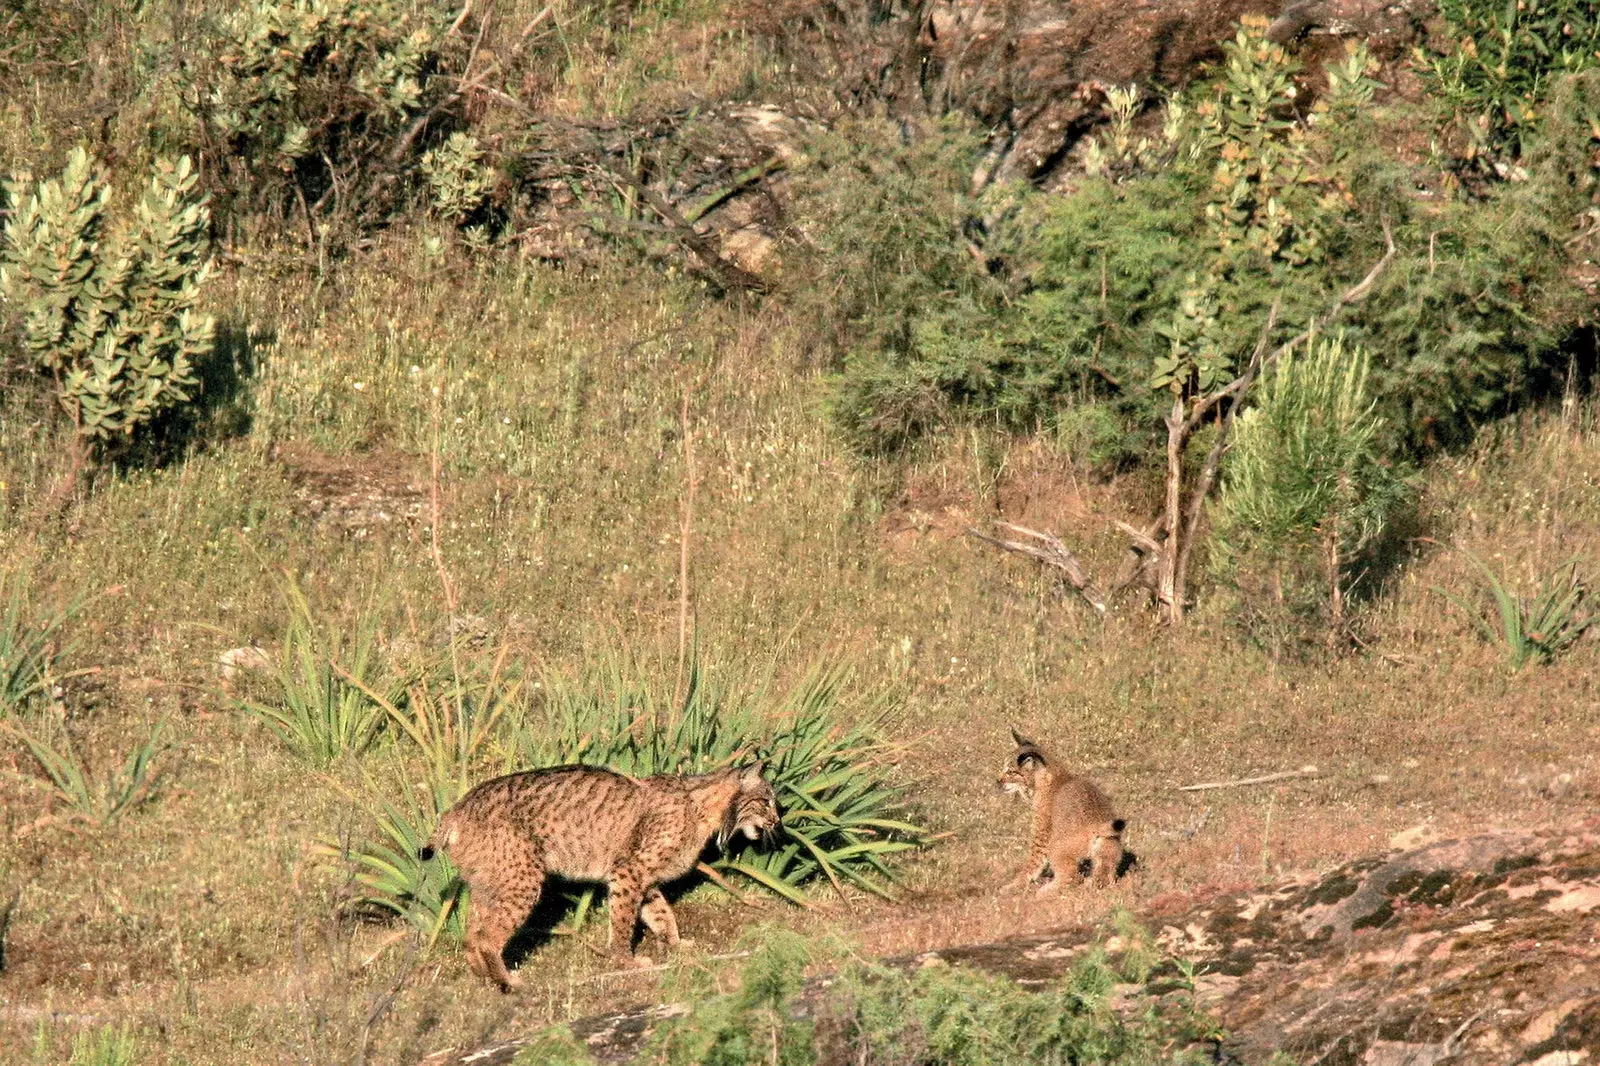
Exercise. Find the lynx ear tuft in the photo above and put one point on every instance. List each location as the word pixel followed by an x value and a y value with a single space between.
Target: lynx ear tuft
pixel 1022 741
pixel 752 774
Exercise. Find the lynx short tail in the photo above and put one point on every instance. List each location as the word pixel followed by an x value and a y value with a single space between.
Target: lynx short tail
pixel 443 837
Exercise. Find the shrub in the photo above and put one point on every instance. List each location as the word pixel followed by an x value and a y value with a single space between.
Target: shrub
pixel 1502 63
pixel 104 1046
pixel 1305 489
pixel 330 686
pixel 30 648
pixel 842 818
pixel 1254 200
pixel 458 182
pixel 109 313
pixel 932 1016
pixel 101 800
pixel 1538 627
pixel 319 106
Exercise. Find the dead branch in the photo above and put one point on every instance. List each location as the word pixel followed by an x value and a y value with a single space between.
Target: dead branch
pixel 729 274
pixel 1050 551
pixel 1285 775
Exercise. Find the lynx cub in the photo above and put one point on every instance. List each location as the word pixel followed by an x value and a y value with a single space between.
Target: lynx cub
pixel 1073 821
pixel 590 824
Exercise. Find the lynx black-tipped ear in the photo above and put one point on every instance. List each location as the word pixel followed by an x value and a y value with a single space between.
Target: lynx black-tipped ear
pixel 1022 741
pixel 752 773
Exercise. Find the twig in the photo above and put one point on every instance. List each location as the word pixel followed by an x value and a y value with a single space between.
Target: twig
pixel 658 967
pixel 729 274
pixel 685 529
pixel 388 942
pixel 381 1005
pixel 1285 775
pixel 1052 553
pixel 723 883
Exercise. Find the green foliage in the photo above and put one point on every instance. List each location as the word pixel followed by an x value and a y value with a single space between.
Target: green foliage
pixel 1305 489
pixel 842 819
pixel 101 801
pixel 330 686
pixel 933 1016
pixel 109 313
pixel 754 1024
pixel 1166 278
pixel 430 896
pixel 458 182
pixel 887 214
pixel 1540 627
pixel 104 1047
pixel 315 104
pixel 449 717
pixel 1504 59
pixel 30 648
pixel 554 1047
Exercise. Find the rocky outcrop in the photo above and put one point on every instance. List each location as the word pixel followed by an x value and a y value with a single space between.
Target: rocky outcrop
pixel 1483 950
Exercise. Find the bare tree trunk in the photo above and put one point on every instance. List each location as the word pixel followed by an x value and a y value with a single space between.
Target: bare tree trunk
pixel 1169 593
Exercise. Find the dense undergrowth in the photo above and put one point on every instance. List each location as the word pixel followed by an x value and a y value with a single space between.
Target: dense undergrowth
pixel 664 499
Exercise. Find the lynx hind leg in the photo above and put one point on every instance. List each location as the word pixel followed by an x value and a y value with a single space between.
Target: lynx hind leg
pixel 505 886
pixel 656 913
pixel 1065 855
pixel 1105 858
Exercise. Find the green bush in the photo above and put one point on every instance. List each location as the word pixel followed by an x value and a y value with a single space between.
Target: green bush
pixel 1255 201
pixel 327 687
pixel 104 1046
pixel 1503 62
pixel 320 106
pixel 1532 628
pixel 30 645
pixel 100 799
pixel 109 313
pixel 932 1016
pixel 1305 490
pixel 842 818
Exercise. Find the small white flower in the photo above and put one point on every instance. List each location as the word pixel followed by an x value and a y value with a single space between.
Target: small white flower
pixel 507 421
pixel 358 386
pixel 415 369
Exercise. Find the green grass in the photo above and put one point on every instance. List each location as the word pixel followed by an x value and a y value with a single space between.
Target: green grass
pixel 1532 628
pixel 102 797
pixel 228 917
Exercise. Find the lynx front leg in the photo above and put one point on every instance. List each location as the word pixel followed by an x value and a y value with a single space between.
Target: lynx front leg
pixel 1032 870
pixel 627 890
pixel 658 918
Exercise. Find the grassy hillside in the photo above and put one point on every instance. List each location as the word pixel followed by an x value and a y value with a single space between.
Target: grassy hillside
pixel 421 434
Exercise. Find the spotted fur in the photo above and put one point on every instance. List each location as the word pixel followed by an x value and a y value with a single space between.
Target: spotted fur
pixel 586 823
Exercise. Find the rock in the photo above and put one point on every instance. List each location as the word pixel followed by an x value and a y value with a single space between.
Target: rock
pixel 231 662
pixel 354 495
pixel 1476 952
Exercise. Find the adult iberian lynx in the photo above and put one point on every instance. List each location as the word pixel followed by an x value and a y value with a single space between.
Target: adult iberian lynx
pixel 587 823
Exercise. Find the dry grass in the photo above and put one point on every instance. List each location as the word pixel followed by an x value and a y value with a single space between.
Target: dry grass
pixel 207 919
